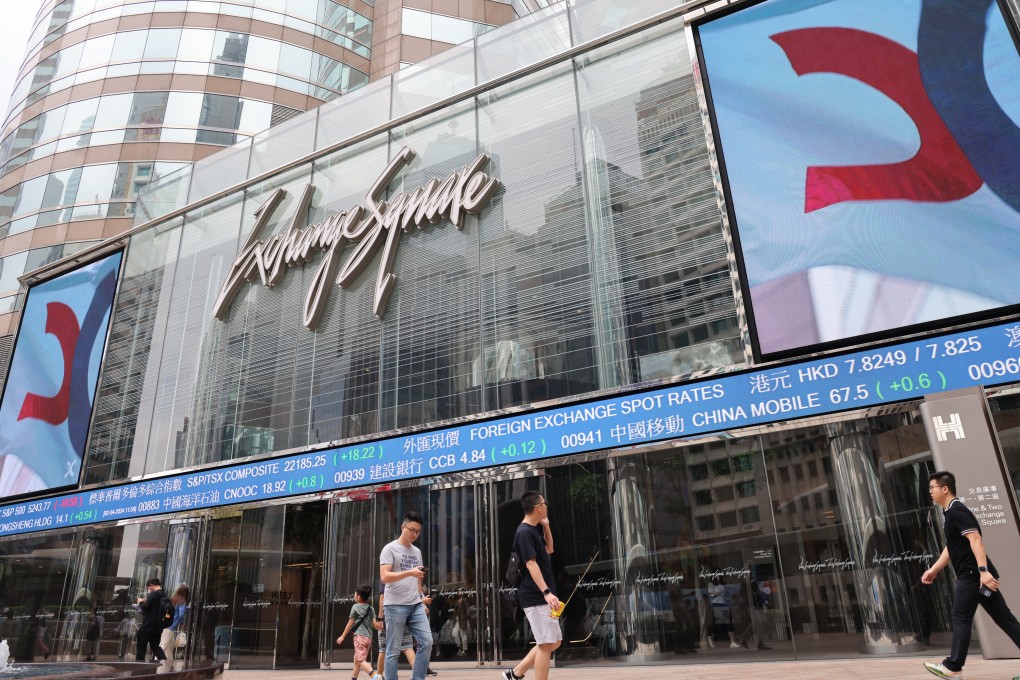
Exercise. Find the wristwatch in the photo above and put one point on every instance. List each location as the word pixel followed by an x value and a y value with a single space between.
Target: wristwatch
pixel 982 568
pixel 547 592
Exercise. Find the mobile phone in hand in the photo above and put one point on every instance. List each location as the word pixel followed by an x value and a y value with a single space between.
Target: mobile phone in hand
pixel 985 590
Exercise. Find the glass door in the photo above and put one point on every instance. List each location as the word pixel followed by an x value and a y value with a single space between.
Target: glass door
pixel 506 629
pixel 454 520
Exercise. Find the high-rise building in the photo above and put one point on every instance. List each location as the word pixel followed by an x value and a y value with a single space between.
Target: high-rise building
pixel 114 94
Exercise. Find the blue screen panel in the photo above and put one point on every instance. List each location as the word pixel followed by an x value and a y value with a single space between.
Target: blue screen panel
pixel 50 389
pixel 870 151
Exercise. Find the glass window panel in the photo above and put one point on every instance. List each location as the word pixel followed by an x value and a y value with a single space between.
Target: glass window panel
pixel 455 31
pixel 183 109
pixel 60 188
pixel 229 47
pixel 80 116
pixel 538 323
pixel 303 9
pixel 96 183
pixel 108 137
pixel 263 53
pixel 97 52
pixel 113 111
pixel 129 46
pixel 162 43
pixel 30 195
pixel 148 108
pixel 296 61
pixel 187 386
pixel 171 6
pixel 178 135
pixel 416 23
pixel 121 70
pixel 62 63
pixel 203 6
pixel 221 111
pixel 90 75
pixel 49 124
pixel 664 273
pixel 254 116
pixel 196 44
pixel 124 398
pixel 531 39
pixel 11 267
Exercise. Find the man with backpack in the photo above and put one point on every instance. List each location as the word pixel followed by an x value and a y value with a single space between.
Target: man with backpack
pixel 533 543
pixel 154 607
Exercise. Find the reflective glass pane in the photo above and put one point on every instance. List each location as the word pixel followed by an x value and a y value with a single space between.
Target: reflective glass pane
pixel 183 109
pixel 162 43
pixel 148 108
pixel 97 52
pixel 96 183
pixel 30 195
pixel 80 116
pixel 254 116
pixel 220 111
pixel 196 44
pixel 129 46
pixel 113 111
pixel 263 53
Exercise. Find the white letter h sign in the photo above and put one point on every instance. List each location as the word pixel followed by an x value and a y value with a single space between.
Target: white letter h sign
pixel 944 429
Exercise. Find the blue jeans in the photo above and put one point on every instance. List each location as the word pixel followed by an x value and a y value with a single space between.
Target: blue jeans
pixel 398 617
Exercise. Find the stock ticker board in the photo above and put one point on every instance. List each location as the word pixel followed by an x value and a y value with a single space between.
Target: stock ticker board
pixel 986 356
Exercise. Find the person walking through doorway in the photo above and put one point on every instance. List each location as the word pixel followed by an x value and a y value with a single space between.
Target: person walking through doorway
pixel 152 628
pixel 533 542
pixel 402 571
pixel 977 580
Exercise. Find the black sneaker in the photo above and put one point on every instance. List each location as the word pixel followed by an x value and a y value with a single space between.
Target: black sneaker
pixel 508 674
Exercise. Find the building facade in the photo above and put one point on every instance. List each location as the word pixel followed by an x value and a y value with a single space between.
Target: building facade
pixel 114 94
pixel 540 286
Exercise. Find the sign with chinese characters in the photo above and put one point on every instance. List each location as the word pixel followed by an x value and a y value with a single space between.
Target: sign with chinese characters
pixel 986 356
pixel 377 224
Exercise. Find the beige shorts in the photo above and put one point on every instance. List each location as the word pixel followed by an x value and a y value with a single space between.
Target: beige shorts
pixel 544 627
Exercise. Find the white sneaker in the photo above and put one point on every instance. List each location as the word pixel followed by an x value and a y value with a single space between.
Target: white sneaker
pixel 942 672
pixel 734 645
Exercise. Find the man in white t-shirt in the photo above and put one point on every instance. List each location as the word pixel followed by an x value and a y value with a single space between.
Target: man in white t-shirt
pixel 402 572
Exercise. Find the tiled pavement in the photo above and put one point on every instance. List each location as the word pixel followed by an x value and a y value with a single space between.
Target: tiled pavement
pixel 878 668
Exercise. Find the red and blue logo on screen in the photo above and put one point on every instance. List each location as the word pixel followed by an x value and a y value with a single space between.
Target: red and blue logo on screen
pixel 50 389
pixel 870 149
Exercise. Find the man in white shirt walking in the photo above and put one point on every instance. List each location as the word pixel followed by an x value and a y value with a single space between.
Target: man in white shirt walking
pixel 402 571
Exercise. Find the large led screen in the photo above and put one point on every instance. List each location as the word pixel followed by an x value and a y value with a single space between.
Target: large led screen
pixel 47 400
pixel 871 150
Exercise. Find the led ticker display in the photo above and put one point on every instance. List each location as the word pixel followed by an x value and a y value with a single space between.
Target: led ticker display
pixel 50 389
pixel 986 356
pixel 869 149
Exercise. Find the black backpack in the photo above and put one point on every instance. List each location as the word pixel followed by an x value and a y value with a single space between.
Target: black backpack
pixel 513 566
pixel 166 612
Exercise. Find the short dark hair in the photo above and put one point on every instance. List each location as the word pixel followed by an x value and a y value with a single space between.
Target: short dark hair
pixel 944 478
pixel 413 516
pixel 364 591
pixel 154 582
pixel 530 500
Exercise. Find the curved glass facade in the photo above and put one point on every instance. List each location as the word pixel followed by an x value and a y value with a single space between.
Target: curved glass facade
pixel 604 265
pixel 117 93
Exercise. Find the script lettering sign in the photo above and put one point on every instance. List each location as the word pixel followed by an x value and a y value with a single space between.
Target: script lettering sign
pixel 369 228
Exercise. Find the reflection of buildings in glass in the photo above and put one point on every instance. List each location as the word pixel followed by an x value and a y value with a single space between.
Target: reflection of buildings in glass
pixel 687 319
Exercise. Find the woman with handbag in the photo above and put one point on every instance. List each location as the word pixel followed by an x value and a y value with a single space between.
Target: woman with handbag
pixel 174 637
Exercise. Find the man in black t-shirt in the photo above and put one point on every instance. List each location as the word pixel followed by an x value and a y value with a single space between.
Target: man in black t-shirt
pixel 533 542
pixel 152 627
pixel 977 581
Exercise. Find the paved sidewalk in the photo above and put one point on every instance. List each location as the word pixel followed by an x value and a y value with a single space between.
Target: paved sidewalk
pixel 898 668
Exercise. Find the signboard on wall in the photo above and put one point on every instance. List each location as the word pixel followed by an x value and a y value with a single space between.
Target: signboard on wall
pixel 869 150
pixel 47 400
pixel 883 375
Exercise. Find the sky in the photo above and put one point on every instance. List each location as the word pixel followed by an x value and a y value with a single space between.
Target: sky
pixel 18 16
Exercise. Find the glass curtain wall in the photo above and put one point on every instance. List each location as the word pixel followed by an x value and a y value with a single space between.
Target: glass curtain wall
pixel 599 264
